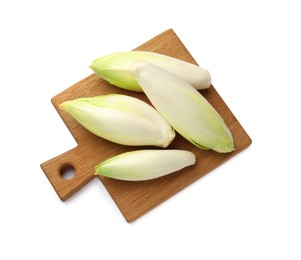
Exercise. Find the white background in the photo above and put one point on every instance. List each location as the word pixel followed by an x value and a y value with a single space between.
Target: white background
pixel 249 208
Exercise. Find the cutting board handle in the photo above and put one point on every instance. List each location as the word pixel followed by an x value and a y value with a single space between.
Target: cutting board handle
pixel 54 170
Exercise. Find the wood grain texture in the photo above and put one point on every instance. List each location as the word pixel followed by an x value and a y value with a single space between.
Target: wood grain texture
pixel 134 198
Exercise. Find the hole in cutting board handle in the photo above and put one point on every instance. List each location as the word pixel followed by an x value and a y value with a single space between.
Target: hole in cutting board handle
pixel 67 172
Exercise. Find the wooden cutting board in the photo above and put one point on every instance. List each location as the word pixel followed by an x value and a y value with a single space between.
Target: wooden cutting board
pixel 134 198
